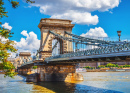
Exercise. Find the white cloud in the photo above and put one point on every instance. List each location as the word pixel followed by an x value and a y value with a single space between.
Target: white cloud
pixel 12 55
pixel 77 10
pixel 24 32
pixel 79 18
pixel 28 44
pixel 3 39
pixel 27 6
pixel 6 25
pixel 96 32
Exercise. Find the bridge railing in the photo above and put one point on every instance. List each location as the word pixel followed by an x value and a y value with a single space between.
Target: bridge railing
pixel 27 63
pixel 97 51
pixel 31 61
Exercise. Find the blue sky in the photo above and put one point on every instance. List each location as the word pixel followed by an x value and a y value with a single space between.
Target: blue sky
pixel 103 17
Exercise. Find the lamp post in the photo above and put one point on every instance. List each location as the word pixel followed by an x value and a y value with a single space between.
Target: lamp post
pixel 119 34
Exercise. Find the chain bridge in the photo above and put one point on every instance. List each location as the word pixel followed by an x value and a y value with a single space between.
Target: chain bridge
pixel 60 51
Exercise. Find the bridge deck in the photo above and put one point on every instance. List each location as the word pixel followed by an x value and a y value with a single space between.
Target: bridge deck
pixel 87 58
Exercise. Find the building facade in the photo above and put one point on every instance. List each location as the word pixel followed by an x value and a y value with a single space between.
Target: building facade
pixel 23 57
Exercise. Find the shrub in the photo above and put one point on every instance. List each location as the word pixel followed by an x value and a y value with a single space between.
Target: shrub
pixel 101 66
pixel 34 67
pixel 111 65
pixel 117 65
pixel 126 65
pixel 120 66
pixel 88 67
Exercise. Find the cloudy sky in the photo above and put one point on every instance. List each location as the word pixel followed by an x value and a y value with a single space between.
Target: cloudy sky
pixel 99 18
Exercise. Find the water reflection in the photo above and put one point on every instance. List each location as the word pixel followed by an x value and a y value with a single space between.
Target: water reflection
pixel 94 82
pixel 67 87
pixel 56 87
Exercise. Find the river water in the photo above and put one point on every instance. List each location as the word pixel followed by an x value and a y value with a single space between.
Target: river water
pixel 94 82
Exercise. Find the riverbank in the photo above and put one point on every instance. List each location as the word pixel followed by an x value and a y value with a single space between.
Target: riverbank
pixel 1 72
pixel 108 70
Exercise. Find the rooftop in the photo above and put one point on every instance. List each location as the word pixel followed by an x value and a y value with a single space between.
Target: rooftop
pixel 55 22
pixel 24 54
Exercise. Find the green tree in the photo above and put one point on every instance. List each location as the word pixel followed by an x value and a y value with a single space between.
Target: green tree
pixel 101 66
pixel 7 45
pixel 117 65
pixel 34 67
pixel 110 65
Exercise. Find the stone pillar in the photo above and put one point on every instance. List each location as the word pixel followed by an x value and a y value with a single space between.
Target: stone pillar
pixel 98 64
pixel 59 73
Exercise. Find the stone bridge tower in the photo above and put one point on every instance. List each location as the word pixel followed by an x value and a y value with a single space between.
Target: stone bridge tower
pixel 58 26
pixel 52 45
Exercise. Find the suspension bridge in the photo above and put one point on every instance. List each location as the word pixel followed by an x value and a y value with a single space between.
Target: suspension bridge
pixel 60 50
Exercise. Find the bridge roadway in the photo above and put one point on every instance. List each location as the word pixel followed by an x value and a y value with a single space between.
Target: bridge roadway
pixel 109 57
pixel 116 57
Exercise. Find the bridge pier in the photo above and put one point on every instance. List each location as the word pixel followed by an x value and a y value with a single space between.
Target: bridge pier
pixel 59 73
pixel 53 73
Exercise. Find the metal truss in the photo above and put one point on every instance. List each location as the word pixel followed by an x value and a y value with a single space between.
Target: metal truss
pixel 97 41
pixel 88 39
pixel 98 51
pixel 27 63
pixel 78 41
pixel 54 45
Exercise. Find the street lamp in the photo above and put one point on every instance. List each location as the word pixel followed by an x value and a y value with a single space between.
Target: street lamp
pixel 119 34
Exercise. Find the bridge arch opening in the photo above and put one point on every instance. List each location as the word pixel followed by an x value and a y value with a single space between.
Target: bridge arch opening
pixel 57 46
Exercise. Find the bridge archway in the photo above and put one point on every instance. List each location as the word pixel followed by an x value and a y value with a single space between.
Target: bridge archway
pixel 57 46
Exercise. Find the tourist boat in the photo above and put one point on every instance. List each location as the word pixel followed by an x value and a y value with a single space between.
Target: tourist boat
pixel 80 70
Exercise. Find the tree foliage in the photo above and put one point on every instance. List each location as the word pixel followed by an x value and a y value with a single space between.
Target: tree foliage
pixel 114 65
pixel 7 45
pixel 88 67
pixel 111 65
pixel 34 67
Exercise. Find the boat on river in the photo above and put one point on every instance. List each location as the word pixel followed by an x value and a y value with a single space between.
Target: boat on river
pixel 80 70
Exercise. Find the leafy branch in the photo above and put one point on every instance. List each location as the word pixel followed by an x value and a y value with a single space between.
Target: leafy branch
pixel 7 45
